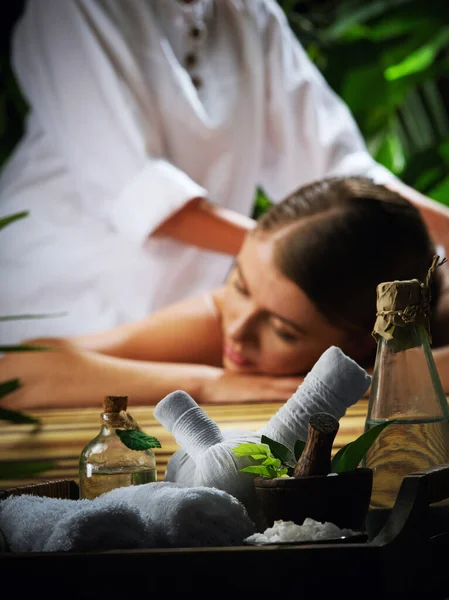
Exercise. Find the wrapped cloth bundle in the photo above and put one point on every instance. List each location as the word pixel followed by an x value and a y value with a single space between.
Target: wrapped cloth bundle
pixel 152 515
pixel 205 457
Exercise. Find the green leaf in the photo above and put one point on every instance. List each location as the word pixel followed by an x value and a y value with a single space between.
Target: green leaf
pixel 298 449
pixel 440 192
pixel 278 450
pixel 420 59
pixel 252 450
pixel 336 458
pixel 5 221
pixel 349 457
pixel 258 470
pixel 17 470
pixel 272 462
pixel 137 440
pixel 258 456
pixel 26 348
pixel 14 416
pixel 9 386
pixel 36 316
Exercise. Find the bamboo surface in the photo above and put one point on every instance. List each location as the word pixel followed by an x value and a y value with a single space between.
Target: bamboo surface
pixel 64 432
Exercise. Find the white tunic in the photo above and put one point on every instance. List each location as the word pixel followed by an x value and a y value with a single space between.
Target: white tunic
pixel 119 138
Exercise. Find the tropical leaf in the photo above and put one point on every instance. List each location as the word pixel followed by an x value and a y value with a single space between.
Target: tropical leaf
pixel 36 316
pixel 14 416
pixel 26 348
pixel 19 470
pixel 5 221
pixel 349 457
pixel 11 385
pixel 298 449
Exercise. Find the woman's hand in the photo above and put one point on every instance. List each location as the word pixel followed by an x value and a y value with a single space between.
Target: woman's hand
pixel 224 387
pixel 44 375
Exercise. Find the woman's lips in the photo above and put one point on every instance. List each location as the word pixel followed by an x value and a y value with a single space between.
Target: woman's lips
pixel 235 357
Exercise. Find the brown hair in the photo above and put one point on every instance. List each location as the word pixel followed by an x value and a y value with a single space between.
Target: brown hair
pixel 339 237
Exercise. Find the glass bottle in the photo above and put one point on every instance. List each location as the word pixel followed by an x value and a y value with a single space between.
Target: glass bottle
pixel 105 462
pixel 405 387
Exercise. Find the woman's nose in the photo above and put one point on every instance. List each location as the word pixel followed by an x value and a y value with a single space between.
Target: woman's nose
pixel 242 327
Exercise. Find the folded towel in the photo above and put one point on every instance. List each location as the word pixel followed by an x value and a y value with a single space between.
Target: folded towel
pixel 153 515
pixel 190 516
pixel 40 524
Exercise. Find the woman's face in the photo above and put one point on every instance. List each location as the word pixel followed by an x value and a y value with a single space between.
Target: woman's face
pixel 269 324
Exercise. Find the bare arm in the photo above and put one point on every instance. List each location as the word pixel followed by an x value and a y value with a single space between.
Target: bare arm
pixel 207 226
pixel 178 348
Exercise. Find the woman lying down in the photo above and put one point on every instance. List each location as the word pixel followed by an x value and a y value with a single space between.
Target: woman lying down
pixel 305 279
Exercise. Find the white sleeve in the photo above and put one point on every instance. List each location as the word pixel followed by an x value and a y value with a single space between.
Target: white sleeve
pixel 86 92
pixel 310 132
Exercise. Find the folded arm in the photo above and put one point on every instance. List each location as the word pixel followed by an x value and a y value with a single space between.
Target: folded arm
pixel 177 348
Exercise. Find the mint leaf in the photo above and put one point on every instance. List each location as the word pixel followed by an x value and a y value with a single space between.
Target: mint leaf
pixel 279 451
pixel 349 457
pixel 252 450
pixel 258 470
pixel 272 462
pixel 137 440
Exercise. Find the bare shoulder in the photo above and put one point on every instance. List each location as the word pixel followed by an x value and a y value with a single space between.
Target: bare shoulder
pixel 185 332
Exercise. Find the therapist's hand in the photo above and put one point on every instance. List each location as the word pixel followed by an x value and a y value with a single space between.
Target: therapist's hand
pixel 227 387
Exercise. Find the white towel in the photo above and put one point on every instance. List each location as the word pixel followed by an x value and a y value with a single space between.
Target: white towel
pixel 190 516
pixel 151 515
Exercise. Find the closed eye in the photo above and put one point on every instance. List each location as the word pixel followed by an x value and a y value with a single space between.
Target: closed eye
pixel 285 335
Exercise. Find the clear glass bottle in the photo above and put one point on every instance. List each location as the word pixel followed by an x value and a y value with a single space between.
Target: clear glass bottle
pixel 405 387
pixel 105 462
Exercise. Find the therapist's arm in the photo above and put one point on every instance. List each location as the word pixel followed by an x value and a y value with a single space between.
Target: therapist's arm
pixel 207 226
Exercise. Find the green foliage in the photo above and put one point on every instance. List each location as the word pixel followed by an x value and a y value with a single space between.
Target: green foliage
pixel 349 457
pixel 16 469
pixel 278 460
pixel 389 62
pixel 270 465
pixel 137 440
pixel 5 221
pixel 279 451
pixel 299 448
pixel 261 203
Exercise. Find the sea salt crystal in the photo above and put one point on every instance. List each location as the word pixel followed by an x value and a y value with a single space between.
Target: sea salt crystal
pixel 288 531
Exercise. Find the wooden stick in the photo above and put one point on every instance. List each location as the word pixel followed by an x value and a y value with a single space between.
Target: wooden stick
pixel 316 456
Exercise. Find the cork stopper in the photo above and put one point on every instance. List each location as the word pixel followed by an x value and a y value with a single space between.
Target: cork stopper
pixel 115 404
pixel 400 303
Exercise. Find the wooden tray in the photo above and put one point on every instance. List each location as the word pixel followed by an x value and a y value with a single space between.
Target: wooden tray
pixel 406 559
